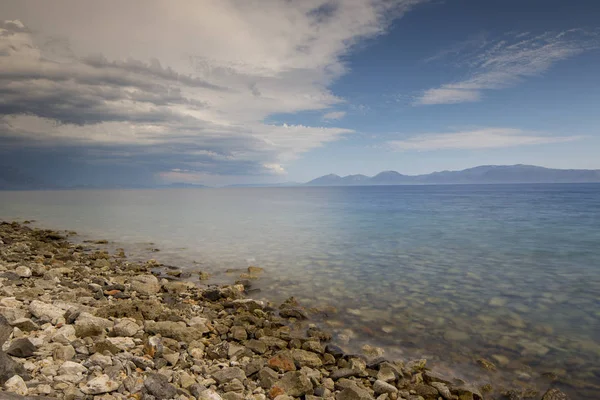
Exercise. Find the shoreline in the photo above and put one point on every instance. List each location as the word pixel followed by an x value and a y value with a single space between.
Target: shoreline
pixel 79 323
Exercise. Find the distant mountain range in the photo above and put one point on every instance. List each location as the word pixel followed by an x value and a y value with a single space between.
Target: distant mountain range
pixel 482 174
pixel 11 179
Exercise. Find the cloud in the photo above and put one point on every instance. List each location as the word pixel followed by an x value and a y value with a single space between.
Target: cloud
pixel 333 115
pixel 483 138
pixel 186 87
pixel 503 63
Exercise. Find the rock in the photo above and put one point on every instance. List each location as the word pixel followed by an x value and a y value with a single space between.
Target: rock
pixel 295 384
pixel 256 346
pixel 126 327
pixel 555 394
pixel 45 311
pixel 65 334
pixel 158 386
pixel 212 294
pixel 25 324
pixel 387 374
pixel 227 374
pixel 21 348
pixel 186 380
pixel 353 392
pixel 23 272
pixel 425 390
pixel 71 368
pixel 293 312
pixel 452 335
pixel 16 385
pixel 87 325
pixel 442 389
pixel 306 358
pixel 63 352
pixel 238 333
pixel 486 364
pixel 383 387
pixel 334 350
pixel 173 330
pixel 122 343
pixel 145 284
pixel 267 377
pixel 209 395
pixel 5 330
pixel 99 385
pixel 500 359
pixel 100 359
pixel 282 362
pixel 344 373
pixel 234 386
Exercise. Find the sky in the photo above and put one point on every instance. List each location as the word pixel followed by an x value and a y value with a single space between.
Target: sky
pixel 219 92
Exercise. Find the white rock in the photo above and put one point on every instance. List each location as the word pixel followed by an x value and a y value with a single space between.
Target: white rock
pixel 17 385
pixel 145 284
pixel 86 319
pixel 126 327
pixel 71 368
pixel 45 311
pixel 209 394
pixel 64 335
pixel 99 385
pixel 10 302
pixel 123 343
pixel 23 271
pixel 100 360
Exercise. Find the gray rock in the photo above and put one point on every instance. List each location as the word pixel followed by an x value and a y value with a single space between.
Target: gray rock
pixel 89 325
pixel 25 324
pixel 555 394
pixel 9 368
pixel 145 284
pixel 21 348
pixel 173 330
pixel 295 383
pixel 293 312
pixel 158 386
pixel 228 374
pixel 256 346
pixel 344 373
pixel 443 389
pixel 238 333
pixel 353 392
pixel 381 387
pixel 45 311
pixel 62 352
pixel 5 330
pixel 126 327
pixel 267 377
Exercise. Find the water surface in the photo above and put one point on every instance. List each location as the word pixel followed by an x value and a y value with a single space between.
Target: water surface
pixel 510 273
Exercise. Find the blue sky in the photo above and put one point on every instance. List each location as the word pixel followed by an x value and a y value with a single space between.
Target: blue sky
pixel 271 91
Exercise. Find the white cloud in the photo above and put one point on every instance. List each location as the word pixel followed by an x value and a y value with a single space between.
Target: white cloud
pixel 201 76
pixel 483 138
pixel 504 63
pixel 333 115
pixel 448 96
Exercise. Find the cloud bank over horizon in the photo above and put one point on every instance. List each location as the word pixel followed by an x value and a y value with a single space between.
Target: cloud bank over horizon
pixel 190 90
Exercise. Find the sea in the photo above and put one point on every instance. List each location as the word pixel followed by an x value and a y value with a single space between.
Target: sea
pixel 462 275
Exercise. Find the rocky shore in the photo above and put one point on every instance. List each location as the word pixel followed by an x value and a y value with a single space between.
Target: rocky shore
pixel 80 323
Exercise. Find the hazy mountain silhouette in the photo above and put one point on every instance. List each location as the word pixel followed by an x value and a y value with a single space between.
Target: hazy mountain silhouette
pixel 481 174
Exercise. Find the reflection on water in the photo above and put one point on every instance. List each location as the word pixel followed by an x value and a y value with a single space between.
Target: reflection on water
pixel 508 273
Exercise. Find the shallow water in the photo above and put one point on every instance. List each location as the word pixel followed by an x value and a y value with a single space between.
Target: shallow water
pixel 510 273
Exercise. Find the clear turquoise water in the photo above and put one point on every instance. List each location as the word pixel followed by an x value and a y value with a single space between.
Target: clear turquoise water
pixel 453 273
